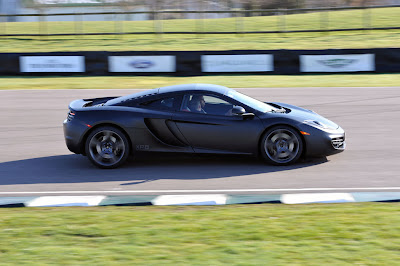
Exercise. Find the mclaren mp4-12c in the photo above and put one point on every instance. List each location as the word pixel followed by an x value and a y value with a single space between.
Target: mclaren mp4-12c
pixel 196 118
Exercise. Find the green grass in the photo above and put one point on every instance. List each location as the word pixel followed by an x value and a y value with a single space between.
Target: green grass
pixel 345 234
pixel 249 81
pixel 384 17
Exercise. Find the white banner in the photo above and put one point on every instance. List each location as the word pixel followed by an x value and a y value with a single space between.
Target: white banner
pixel 156 63
pixel 52 63
pixel 237 63
pixel 337 63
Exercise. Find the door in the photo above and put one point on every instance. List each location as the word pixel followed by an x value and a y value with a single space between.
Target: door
pixel 208 125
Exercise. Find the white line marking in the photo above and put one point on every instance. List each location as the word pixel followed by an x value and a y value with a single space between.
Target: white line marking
pixel 316 198
pixel 202 190
pixel 51 201
pixel 196 199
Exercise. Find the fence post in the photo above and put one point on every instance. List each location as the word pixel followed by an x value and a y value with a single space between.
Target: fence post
pixel 157 24
pixel 78 23
pixel 128 18
pixel 200 19
pixel 199 23
pixel 43 25
pixel 366 19
pixel 324 21
pixel 118 27
pixel 282 20
pixel 239 23
pixel 4 25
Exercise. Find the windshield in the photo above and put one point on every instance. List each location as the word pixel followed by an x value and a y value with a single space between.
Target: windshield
pixel 253 103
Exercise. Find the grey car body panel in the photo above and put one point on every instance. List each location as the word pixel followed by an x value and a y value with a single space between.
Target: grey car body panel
pixel 175 131
pixel 219 133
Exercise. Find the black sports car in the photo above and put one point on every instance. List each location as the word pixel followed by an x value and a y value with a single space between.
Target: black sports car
pixel 196 118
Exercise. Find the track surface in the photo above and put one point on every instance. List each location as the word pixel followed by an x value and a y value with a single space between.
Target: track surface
pixel 34 158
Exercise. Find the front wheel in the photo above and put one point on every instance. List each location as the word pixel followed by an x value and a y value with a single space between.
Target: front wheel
pixel 107 147
pixel 281 145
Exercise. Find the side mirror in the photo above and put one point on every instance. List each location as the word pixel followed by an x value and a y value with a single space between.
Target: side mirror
pixel 238 110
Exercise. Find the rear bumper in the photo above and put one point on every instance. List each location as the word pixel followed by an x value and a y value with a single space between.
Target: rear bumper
pixel 73 134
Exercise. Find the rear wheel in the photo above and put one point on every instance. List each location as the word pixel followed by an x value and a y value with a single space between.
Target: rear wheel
pixel 281 145
pixel 107 147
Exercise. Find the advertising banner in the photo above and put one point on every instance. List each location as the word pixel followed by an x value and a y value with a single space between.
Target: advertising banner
pixel 156 63
pixel 237 63
pixel 337 63
pixel 52 63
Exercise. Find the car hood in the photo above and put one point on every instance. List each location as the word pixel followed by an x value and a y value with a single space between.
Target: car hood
pixel 300 114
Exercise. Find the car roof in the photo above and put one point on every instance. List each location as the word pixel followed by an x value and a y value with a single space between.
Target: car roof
pixel 170 89
pixel 194 87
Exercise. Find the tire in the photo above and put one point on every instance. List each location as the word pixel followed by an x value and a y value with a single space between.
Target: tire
pixel 107 147
pixel 281 145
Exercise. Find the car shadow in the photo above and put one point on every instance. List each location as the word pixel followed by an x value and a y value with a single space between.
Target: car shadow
pixel 77 169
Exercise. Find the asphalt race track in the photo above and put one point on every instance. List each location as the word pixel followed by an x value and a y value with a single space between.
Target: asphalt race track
pixel 35 161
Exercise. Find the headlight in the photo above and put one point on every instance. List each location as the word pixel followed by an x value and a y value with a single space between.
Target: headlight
pixel 319 125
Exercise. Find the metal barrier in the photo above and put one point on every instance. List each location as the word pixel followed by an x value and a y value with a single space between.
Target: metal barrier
pixel 237 14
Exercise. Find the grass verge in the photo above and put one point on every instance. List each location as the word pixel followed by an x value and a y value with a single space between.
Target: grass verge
pixel 383 17
pixel 234 81
pixel 359 233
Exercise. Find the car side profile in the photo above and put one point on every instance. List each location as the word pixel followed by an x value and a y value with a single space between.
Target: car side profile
pixel 196 118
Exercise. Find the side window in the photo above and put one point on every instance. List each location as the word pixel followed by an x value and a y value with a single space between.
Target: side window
pixel 214 100
pixel 160 104
pixel 206 104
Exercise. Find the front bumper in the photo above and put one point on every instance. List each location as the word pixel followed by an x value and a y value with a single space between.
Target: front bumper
pixel 321 143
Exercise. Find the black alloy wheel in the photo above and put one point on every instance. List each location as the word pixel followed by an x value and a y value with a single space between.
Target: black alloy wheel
pixel 281 145
pixel 107 147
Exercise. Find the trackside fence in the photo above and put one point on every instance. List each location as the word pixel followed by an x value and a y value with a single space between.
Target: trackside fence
pixel 158 17
pixel 196 63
